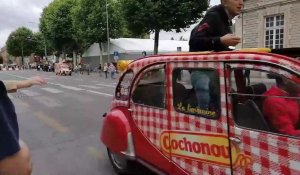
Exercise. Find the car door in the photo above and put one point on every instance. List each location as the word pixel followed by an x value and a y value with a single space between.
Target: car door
pixel 150 116
pixel 261 135
pixel 198 134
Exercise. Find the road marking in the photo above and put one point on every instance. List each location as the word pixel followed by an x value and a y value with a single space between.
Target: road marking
pixel 91 87
pixel 100 93
pixel 99 84
pixel 29 93
pixel 71 88
pixel 52 90
pixel 16 76
pixel 95 153
pixel 48 102
pixel 51 122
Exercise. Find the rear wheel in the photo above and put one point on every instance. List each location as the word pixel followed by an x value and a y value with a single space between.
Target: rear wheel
pixel 120 163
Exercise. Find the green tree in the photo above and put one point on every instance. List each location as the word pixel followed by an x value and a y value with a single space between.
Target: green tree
pixel 18 43
pixel 145 16
pixel 91 24
pixel 42 46
pixel 57 26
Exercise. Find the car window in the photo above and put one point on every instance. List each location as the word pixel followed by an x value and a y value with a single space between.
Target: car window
pixel 268 101
pixel 197 92
pixel 123 88
pixel 151 89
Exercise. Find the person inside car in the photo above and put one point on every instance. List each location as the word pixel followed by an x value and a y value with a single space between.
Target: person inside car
pixel 281 108
pixel 14 154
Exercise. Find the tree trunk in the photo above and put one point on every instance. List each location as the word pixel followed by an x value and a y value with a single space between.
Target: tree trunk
pixel 156 39
pixel 74 59
pixel 101 53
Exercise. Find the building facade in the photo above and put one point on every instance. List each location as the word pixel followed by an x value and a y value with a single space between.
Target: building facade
pixel 269 23
pixel 4 54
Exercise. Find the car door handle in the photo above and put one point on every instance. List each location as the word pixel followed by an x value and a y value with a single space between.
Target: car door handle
pixel 130 110
pixel 235 140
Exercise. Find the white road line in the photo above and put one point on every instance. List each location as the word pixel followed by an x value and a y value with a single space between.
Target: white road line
pixel 100 93
pixel 71 88
pixel 29 93
pixel 91 87
pixel 52 90
pixel 99 84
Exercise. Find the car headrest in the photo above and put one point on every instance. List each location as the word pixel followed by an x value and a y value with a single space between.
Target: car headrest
pixel 258 89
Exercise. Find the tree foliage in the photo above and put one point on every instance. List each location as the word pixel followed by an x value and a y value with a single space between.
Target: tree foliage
pixel 39 41
pixel 144 16
pixel 57 26
pixel 20 40
pixel 90 20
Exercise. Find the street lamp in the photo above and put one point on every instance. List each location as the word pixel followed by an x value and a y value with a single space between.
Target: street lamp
pixel 107 28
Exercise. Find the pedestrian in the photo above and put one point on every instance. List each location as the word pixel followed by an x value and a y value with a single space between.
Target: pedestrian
pixel 213 33
pixel 112 70
pixel 80 68
pixel 105 69
pixel 14 153
pixel 100 70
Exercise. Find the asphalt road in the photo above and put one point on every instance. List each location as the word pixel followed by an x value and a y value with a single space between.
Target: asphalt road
pixel 61 122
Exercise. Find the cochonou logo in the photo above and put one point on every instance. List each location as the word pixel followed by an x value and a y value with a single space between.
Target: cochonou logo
pixel 210 148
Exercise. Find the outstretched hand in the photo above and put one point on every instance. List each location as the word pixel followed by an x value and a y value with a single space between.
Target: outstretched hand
pixel 37 80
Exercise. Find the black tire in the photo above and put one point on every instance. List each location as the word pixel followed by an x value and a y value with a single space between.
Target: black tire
pixel 121 165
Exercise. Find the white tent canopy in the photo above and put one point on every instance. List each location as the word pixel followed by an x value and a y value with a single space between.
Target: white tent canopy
pixel 135 45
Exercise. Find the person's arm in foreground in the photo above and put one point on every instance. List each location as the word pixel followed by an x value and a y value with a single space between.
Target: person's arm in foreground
pixel 13 86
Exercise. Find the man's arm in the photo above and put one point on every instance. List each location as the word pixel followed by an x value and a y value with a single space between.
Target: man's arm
pixel 17 164
pixel 202 35
pixel 13 86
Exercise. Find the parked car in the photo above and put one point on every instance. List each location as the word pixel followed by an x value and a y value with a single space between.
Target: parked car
pixel 157 118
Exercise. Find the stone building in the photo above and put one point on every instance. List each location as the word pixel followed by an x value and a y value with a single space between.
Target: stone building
pixel 269 23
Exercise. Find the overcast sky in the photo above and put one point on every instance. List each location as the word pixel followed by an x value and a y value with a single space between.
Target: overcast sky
pixel 17 13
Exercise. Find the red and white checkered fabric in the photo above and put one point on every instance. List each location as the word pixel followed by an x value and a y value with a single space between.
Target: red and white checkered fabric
pixel 271 154
pixel 193 123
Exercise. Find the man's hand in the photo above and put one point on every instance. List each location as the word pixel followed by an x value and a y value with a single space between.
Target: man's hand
pixel 38 80
pixel 230 40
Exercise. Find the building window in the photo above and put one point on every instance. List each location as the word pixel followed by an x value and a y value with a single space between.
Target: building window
pixel 274 29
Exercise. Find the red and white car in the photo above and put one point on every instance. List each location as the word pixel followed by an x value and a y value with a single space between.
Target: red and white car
pixel 156 118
